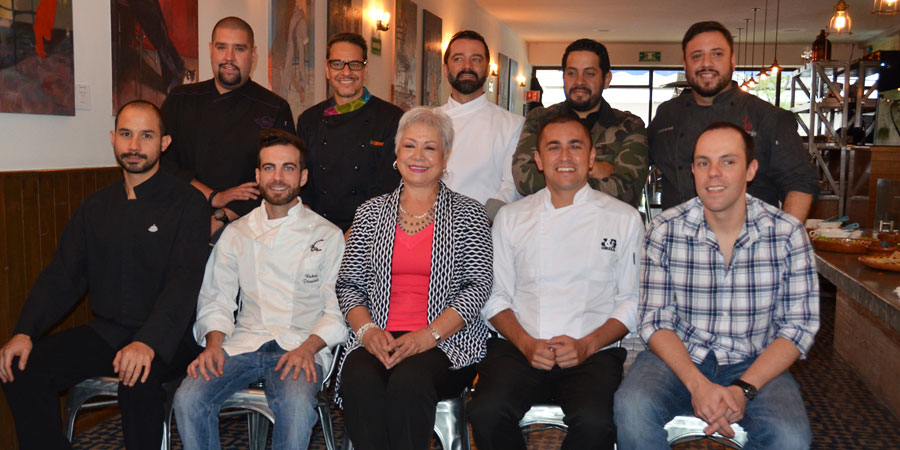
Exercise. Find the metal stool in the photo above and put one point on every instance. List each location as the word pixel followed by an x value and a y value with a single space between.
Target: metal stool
pixel 449 424
pixel 109 387
pixel 683 429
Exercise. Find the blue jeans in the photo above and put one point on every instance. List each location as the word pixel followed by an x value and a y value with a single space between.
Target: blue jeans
pixel 651 395
pixel 197 401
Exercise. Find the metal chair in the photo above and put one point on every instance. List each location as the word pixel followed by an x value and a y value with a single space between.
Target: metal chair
pixel 252 401
pixel 109 387
pixel 449 424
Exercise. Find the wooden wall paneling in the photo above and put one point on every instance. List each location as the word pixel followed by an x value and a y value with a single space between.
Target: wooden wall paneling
pixel 15 244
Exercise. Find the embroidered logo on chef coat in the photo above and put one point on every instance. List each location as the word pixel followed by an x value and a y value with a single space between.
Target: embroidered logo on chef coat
pixel 265 121
pixel 310 278
pixel 376 143
pixel 608 244
pixel 153 228
pixel 314 247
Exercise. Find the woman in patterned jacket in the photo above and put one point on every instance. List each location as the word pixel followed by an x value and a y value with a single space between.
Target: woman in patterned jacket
pixel 415 274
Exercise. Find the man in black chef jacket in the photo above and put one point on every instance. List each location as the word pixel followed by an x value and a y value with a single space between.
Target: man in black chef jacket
pixel 349 137
pixel 215 125
pixel 138 247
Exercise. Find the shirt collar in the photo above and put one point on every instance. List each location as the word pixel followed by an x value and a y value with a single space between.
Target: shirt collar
pixel 150 186
pixel 585 194
pixel 266 236
pixel 471 105
pixel 756 220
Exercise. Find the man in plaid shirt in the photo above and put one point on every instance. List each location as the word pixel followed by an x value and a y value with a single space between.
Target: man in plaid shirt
pixel 729 300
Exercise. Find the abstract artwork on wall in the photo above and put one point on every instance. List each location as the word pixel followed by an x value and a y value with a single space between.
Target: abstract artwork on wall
pixel 503 81
pixel 403 92
pixel 37 65
pixel 154 48
pixel 431 58
pixel 344 16
pixel 291 48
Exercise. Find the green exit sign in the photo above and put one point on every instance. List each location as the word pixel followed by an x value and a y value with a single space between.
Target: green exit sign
pixel 651 57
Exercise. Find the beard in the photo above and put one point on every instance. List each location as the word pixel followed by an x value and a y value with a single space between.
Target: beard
pixel 592 101
pixel 229 80
pixel 139 167
pixel 278 198
pixel 718 84
pixel 467 87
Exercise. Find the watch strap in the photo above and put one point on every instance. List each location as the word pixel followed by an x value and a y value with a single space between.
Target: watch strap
pixel 750 390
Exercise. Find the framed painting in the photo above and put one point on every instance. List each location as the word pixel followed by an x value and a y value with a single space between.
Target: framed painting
pixel 154 48
pixel 503 81
pixel 403 92
pixel 513 84
pixel 291 52
pixel 37 62
pixel 432 34
pixel 344 16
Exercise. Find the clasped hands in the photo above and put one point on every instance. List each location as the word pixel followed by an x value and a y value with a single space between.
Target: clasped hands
pixel 391 351
pixel 563 351
pixel 719 406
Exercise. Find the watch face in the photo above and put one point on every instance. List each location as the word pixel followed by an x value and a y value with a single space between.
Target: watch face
pixel 219 215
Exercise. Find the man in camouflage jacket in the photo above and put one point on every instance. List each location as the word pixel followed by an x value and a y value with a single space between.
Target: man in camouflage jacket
pixel 621 166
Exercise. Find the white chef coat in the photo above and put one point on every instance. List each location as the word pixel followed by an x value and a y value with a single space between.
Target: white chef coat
pixel 485 138
pixel 566 271
pixel 285 270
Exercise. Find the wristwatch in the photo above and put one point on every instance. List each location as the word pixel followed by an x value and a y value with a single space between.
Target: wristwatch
pixel 749 389
pixel 221 216
pixel 434 333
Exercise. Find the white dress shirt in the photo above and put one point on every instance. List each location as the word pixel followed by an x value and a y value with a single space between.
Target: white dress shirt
pixel 485 138
pixel 566 271
pixel 284 270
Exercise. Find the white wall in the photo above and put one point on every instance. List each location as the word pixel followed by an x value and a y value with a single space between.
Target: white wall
pixel 55 142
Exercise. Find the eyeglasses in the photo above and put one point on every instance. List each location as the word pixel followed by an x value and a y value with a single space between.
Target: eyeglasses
pixel 338 64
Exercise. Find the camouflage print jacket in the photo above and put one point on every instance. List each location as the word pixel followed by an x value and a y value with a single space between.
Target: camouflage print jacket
pixel 619 137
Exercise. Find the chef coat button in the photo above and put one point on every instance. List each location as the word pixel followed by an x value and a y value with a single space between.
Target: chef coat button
pixel 323 192
pixel 362 145
pixel 324 141
pixel 353 192
pixel 322 166
pixel 356 168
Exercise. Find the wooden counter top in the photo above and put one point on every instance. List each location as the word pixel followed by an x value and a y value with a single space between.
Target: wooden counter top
pixel 873 289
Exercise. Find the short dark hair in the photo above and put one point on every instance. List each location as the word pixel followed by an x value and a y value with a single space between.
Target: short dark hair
pixel 704 27
pixel 589 45
pixel 749 145
pixel 144 104
pixel 470 35
pixel 560 119
pixel 271 136
pixel 234 23
pixel 352 38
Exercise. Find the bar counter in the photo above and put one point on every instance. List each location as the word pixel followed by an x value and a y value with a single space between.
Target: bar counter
pixel 867 322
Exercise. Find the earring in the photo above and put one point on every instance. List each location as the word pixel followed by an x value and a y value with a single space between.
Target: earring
pixel 395 165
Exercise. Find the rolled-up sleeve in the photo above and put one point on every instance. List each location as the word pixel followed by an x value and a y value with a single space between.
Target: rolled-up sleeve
pixel 627 277
pixel 789 165
pixel 504 271
pixel 797 310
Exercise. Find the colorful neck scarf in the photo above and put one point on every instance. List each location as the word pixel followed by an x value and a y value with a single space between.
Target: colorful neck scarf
pixel 349 107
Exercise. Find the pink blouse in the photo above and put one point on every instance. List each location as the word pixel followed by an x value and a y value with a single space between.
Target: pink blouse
pixel 410 275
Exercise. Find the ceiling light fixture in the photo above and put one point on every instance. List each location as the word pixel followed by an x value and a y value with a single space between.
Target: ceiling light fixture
pixel 763 72
pixel 775 68
pixel 752 81
pixel 840 22
pixel 886 7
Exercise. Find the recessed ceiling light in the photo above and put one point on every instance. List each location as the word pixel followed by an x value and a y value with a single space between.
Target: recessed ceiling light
pixel 602 30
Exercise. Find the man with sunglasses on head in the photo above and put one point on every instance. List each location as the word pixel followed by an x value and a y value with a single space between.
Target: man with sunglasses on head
pixel 350 137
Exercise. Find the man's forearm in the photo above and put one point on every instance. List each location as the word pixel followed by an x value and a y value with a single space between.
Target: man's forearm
pixel 611 331
pixel 315 343
pixel 668 347
pixel 798 204
pixel 505 323
pixel 773 361
pixel 214 339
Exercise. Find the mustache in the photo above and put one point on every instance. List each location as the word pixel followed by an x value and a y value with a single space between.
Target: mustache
pixel 466 72
pixel 130 154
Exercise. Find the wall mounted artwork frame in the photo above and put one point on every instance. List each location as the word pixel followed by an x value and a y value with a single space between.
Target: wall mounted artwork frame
pixel 37 61
pixel 432 35
pixel 512 84
pixel 344 16
pixel 291 52
pixel 403 90
pixel 503 81
pixel 154 48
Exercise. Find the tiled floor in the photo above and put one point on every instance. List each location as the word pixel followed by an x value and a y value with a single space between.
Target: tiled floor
pixel 843 413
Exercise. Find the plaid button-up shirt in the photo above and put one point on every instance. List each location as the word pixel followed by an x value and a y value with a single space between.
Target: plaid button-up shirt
pixel 770 288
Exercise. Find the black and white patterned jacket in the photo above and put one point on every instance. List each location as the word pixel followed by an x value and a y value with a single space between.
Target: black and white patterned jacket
pixel 461 268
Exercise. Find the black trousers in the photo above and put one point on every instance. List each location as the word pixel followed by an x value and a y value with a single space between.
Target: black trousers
pixel 508 386
pixel 394 408
pixel 60 361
